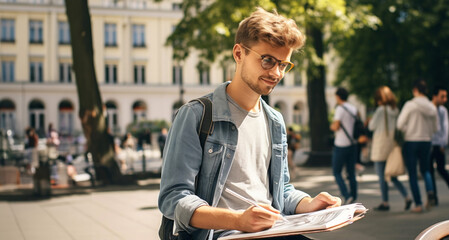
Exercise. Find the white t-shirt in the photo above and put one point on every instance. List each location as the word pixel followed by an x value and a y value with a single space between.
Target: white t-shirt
pixel 249 171
pixel 346 120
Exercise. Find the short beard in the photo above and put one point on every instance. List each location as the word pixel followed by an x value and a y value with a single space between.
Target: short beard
pixel 254 85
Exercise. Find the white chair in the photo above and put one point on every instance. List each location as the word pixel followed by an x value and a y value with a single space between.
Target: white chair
pixel 434 232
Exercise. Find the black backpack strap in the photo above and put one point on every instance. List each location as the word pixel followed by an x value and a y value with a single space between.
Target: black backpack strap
pixel 351 139
pixel 206 123
pixel 204 130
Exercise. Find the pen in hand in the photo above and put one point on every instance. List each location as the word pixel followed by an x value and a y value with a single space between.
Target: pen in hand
pixel 251 202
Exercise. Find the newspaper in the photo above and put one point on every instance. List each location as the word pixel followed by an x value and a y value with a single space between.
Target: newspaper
pixel 318 221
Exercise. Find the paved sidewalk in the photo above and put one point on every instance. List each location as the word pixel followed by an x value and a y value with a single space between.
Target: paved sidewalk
pixel 130 213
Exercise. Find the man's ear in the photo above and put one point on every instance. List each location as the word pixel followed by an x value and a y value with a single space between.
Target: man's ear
pixel 237 52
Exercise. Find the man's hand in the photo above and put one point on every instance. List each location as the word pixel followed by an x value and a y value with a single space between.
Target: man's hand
pixel 252 219
pixel 255 219
pixel 321 201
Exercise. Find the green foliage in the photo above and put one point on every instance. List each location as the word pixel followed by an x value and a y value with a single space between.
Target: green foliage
pixel 410 44
pixel 138 128
pixel 210 28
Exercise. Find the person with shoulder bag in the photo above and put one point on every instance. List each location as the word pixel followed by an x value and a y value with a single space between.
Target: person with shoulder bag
pixel 383 124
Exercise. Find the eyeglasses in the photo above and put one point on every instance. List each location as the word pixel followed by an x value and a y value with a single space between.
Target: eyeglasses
pixel 268 62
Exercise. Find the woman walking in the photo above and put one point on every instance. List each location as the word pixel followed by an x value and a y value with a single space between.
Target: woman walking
pixel 383 125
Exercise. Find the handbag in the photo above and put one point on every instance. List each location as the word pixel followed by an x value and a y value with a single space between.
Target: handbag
pixel 395 163
pixel 398 134
pixel 399 137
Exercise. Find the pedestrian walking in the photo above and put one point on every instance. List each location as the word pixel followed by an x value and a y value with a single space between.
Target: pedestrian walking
pixel 32 154
pixel 345 151
pixel 53 143
pixel 440 138
pixel 162 138
pixel 383 125
pixel 246 150
pixel 129 155
pixel 418 121
pixel 293 141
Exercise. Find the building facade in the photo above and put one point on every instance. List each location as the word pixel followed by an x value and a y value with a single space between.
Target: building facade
pixel 137 76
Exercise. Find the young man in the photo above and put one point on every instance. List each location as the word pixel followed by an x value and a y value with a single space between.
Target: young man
pixel 247 150
pixel 418 120
pixel 345 146
pixel 440 138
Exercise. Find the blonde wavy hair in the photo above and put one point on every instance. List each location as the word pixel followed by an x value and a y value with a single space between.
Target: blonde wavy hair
pixel 271 28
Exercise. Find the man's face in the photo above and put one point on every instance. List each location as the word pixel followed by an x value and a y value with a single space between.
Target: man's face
pixel 262 81
pixel 441 98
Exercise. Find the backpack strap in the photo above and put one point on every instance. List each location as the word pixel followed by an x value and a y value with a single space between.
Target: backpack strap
pixel 351 139
pixel 166 230
pixel 206 124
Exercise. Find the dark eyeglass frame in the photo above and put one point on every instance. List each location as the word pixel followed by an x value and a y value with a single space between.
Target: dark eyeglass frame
pixel 271 64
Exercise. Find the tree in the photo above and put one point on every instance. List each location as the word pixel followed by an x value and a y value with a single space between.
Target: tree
pixel 210 29
pixel 91 107
pixel 410 44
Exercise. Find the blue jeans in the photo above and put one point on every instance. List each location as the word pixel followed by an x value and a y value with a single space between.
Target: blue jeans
pixel 345 156
pixel 380 170
pixel 414 152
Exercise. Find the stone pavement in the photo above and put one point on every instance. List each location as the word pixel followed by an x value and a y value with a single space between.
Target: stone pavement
pixel 130 212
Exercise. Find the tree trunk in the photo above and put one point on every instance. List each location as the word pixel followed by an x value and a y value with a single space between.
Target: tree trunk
pixel 99 143
pixel 318 115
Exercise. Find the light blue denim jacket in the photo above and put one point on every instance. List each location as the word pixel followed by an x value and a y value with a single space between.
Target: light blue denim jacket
pixel 185 161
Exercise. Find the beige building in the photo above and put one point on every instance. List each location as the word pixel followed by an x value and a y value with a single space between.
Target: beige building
pixel 137 76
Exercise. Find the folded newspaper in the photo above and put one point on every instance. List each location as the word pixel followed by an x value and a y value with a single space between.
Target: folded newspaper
pixel 318 221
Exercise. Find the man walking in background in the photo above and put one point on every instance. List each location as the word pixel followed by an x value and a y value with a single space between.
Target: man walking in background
pixel 345 149
pixel 418 122
pixel 440 138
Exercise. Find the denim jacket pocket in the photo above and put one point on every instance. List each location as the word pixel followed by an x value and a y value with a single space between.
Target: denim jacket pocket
pixel 212 156
pixel 213 153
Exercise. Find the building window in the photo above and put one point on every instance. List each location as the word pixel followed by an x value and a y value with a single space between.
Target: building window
pixel 66 117
pixel 297 79
pixel 176 6
pixel 177 75
pixel 297 113
pixel 110 75
pixel 112 117
pixel 139 111
pixel 65 72
pixel 228 73
pixel 7 71
pixel 37 118
pixel 36 32
pixel 8 31
pixel 36 72
pixel 138 35
pixel 7 115
pixel 204 76
pixel 110 35
pixel 64 33
pixel 139 74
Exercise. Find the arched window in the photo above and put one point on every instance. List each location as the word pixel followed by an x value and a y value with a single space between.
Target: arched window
pixel 282 108
pixel 7 115
pixel 139 111
pixel 66 117
pixel 37 116
pixel 297 113
pixel 112 117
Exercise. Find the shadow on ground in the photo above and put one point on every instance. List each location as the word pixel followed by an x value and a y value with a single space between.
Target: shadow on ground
pixel 138 181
